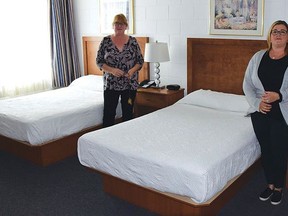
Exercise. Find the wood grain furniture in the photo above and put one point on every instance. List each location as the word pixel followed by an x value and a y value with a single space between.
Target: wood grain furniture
pixel 56 150
pixel 218 65
pixel 152 99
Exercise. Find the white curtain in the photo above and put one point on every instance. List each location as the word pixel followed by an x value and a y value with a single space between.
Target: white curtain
pixel 24 47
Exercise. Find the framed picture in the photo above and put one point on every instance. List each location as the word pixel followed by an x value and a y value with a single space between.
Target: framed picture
pixel 236 17
pixel 109 8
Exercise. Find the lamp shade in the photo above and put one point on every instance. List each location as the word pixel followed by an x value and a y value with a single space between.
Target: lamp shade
pixel 156 52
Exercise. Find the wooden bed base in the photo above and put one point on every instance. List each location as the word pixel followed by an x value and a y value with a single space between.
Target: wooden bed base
pixel 62 148
pixel 219 65
pixel 171 204
pixel 47 153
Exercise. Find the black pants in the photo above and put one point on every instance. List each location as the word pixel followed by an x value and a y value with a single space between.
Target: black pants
pixel 111 99
pixel 272 135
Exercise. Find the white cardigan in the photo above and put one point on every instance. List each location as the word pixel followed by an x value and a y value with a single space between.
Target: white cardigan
pixel 253 88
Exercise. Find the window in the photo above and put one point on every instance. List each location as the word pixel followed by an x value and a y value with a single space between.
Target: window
pixel 25 48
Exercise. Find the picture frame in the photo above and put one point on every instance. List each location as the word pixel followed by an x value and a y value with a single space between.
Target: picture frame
pixel 109 8
pixel 236 17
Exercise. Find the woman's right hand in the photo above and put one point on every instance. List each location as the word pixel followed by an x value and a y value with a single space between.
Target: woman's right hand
pixel 264 107
pixel 117 72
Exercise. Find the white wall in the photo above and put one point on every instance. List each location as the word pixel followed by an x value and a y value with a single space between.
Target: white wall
pixel 170 21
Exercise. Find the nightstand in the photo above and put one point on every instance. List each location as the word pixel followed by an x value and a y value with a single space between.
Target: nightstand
pixel 152 99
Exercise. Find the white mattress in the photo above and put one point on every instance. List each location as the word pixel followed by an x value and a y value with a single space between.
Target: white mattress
pixel 50 115
pixel 185 149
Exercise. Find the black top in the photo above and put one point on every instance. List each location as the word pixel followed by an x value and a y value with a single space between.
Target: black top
pixel 271 73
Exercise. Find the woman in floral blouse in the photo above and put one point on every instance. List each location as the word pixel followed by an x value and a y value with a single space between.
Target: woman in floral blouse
pixel 119 56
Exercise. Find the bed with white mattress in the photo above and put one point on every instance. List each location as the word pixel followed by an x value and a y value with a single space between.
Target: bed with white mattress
pixel 39 121
pixel 44 127
pixel 39 118
pixel 191 157
pixel 192 148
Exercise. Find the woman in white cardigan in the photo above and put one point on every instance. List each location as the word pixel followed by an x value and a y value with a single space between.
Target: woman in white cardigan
pixel 266 89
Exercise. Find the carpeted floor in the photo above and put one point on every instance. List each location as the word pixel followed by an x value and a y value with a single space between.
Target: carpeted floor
pixel 67 188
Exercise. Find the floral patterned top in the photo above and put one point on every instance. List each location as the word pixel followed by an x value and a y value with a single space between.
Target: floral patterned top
pixel 126 59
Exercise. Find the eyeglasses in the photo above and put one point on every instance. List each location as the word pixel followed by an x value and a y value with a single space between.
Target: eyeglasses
pixel 118 24
pixel 281 33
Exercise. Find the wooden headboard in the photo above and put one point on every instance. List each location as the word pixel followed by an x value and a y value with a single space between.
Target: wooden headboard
pixel 90 47
pixel 219 64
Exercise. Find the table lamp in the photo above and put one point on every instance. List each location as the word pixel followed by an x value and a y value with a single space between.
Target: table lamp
pixel 156 52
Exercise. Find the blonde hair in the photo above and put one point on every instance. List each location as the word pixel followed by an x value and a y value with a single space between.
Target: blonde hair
pixel 278 22
pixel 120 18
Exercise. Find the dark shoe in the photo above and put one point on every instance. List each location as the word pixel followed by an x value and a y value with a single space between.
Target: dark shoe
pixel 266 194
pixel 276 197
